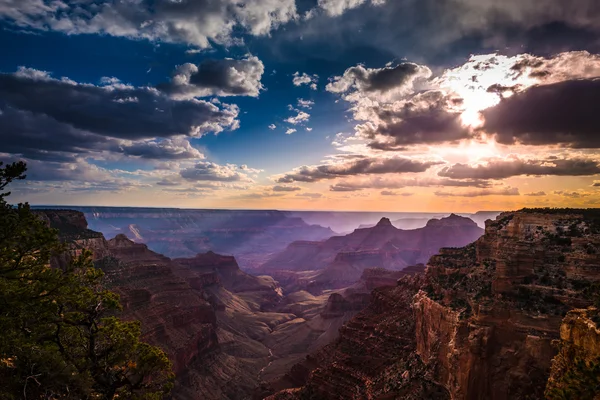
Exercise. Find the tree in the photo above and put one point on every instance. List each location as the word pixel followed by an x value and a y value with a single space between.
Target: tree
pixel 60 337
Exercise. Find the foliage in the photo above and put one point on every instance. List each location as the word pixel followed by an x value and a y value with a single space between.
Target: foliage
pixel 581 381
pixel 59 338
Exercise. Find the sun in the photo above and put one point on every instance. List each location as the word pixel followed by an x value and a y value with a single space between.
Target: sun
pixel 482 82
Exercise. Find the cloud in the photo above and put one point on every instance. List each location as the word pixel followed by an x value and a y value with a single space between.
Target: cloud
pixel 193 22
pixel 280 188
pixel 310 195
pixel 272 126
pixel 308 129
pixel 299 118
pixel 166 149
pixel 394 182
pixel 209 171
pixel 305 103
pixel 572 195
pixel 362 166
pixel 117 111
pixel 424 119
pixel 514 166
pixel 225 77
pixel 290 131
pixel 335 8
pixel 536 194
pixel 377 82
pixel 560 113
pixel 392 193
pixel 508 191
pixel 596 183
pixel 300 79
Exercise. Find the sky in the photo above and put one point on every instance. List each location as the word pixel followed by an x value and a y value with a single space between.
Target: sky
pixel 372 105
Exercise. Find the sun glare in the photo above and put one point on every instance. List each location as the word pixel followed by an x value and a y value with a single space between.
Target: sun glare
pixel 482 82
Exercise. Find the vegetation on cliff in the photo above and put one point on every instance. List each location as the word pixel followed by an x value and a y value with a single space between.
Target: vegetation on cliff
pixel 59 337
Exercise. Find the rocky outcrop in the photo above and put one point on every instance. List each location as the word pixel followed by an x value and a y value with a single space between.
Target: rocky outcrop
pixel 576 368
pixel 481 325
pixel 488 315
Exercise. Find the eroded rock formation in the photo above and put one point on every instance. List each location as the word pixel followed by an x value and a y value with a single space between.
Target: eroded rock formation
pixel 481 325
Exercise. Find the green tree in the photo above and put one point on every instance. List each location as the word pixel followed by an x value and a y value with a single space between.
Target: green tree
pixel 59 336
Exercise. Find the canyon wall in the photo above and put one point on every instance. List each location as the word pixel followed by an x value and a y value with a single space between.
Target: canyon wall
pixel 482 324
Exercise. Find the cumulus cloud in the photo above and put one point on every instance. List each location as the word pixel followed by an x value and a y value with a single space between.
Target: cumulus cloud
pixel 400 106
pixel 281 188
pixel 193 22
pixel 394 182
pixel 514 166
pixel 224 77
pixel 362 166
pixel 300 79
pixel 559 113
pixel 209 171
pixel 119 110
pixel 305 103
pixel 166 149
pixel 338 7
pixel 272 126
pixel 596 184
pixel 298 118
pixel 508 191
pixel 359 81
pixel 424 119
pixel 290 131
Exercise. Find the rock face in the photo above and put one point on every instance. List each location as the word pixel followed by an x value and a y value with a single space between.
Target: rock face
pixel 481 324
pixel 576 368
pixel 487 317
pixel 373 358
pixel 380 246
pixel 261 290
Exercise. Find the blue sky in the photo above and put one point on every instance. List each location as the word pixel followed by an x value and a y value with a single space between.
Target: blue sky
pixel 397 112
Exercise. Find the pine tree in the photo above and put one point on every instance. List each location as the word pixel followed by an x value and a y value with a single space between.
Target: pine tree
pixel 59 336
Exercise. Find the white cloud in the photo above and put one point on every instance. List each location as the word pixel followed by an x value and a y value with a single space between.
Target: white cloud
pixel 300 79
pixel 272 126
pixel 290 131
pixel 305 103
pixel 299 118
pixel 196 23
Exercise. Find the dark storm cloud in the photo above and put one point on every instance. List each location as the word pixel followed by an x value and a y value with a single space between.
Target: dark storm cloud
pixel 448 29
pixel 363 166
pixel 501 169
pixel 194 22
pixel 226 77
pixel 380 80
pixel 425 119
pixel 560 113
pixel 118 111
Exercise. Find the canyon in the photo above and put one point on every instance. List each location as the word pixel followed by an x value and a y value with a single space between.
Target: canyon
pixel 483 323
pixel 225 330
pixel 505 313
